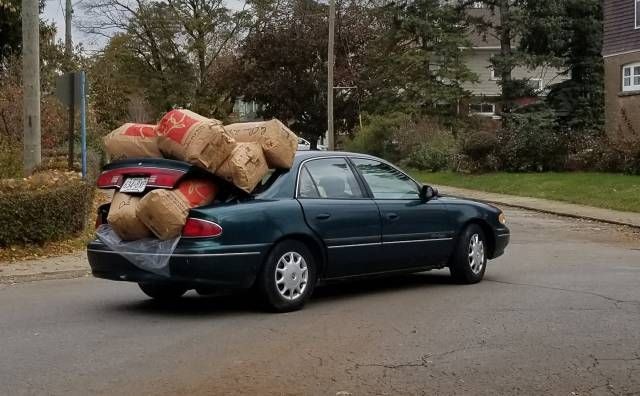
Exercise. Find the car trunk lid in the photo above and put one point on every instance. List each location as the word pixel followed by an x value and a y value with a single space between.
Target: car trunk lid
pixel 148 173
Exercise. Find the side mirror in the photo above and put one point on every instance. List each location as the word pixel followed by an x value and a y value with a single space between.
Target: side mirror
pixel 427 192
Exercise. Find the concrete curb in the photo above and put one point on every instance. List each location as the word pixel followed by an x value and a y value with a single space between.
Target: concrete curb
pixel 49 275
pixel 66 266
pixel 627 219
pixel 563 214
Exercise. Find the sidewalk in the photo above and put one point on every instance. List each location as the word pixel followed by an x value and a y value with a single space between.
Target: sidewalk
pixel 544 205
pixel 73 265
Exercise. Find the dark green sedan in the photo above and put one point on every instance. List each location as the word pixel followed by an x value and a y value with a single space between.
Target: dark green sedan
pixel 333 216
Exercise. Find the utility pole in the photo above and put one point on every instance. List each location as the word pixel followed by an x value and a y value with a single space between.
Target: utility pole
pixel 31 85
pixel 506 55
pixel 68 51
pixel 330 65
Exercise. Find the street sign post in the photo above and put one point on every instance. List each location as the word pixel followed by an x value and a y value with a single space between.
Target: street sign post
pixel 68 88
pixel 71 89
pixel 83 123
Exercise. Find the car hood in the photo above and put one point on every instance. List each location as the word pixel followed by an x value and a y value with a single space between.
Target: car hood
pixel 450 199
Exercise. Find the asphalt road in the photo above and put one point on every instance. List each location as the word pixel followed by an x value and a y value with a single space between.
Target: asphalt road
pixel 558 314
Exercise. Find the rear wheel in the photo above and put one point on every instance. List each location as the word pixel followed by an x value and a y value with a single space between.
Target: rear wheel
pixel 469 260
pixel 162 291
pixel 288 277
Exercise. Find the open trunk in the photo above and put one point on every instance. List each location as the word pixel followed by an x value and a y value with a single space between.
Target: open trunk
pixel 139 176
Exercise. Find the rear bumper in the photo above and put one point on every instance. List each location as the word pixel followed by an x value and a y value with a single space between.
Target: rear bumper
pixel 216 267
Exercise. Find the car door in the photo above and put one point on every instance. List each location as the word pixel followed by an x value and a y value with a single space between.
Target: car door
pixel 415 232
pixel 337 208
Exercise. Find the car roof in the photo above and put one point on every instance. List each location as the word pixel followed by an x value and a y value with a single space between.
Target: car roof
pixel 306 154
pixel 284 185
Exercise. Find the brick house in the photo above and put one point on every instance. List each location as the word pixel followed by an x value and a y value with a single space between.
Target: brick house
pixel 621 52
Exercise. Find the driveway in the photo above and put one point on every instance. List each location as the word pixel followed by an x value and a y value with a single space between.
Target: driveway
pixel 558 314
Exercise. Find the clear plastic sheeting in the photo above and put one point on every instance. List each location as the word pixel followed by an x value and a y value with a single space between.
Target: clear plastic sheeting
pixel 149 254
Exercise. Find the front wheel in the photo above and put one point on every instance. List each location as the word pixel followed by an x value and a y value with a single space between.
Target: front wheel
pixel 288 277
pixel 162 291
pixel 469 260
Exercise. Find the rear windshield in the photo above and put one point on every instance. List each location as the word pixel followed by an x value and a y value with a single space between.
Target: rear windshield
pixel 267 181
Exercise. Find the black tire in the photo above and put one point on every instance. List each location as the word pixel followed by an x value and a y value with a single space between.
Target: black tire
pixel 273 293
pixel 463 267
pixel 162 291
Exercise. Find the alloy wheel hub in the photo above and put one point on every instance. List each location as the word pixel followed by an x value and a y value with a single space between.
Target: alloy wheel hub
pixel 291 275
pixel 476 254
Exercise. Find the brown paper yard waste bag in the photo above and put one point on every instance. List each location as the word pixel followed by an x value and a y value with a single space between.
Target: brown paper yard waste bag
pixel 123 220
pixel 278 142
pixel 245 167
pixel 131 141
pixel 187 136
pixel 165 212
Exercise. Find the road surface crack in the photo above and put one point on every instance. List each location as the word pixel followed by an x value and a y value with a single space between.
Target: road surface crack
pixel 425 360
pixel 612 299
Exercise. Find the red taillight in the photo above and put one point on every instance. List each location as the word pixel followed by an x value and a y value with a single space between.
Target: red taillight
pixel 109 179
pixel 158 177
pixel 164 178
pixel 199 228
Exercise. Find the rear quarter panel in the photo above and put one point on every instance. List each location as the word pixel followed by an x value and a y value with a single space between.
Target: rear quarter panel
pixel 254 224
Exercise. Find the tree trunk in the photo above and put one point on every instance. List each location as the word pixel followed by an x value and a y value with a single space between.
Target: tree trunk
pixel 202 68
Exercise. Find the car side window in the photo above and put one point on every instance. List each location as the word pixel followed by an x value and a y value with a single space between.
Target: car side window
pixel 386 182
pixel 332 179
pixel 307 188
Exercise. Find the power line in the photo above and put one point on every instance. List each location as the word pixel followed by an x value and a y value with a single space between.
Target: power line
pixel 62 9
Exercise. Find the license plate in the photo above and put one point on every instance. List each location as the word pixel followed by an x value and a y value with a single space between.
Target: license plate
pixel 134 185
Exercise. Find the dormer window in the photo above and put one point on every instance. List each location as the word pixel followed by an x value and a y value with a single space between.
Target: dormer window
pixel 631 77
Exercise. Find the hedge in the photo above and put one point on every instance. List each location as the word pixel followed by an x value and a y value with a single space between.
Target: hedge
pixel 52 207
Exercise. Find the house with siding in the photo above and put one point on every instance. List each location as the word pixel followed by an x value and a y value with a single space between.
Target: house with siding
pixel 245 111
pixel 621 52
pixel 486 91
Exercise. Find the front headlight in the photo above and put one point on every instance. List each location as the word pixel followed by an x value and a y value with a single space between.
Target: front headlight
pixel 502 218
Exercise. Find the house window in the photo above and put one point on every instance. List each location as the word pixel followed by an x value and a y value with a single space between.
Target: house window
pixel 631 77
pixel 536 84
pixel 493 76
pixel 486 109
pixel 637 14
pixel 466 3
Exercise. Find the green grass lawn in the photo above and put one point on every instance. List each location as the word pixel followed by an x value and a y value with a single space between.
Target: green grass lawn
pixel 604 190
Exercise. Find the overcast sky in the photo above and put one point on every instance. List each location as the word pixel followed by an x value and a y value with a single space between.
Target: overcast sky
pixel 54 11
